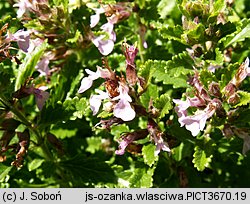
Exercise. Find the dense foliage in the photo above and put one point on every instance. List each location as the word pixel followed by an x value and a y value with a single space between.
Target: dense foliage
pixel 144 93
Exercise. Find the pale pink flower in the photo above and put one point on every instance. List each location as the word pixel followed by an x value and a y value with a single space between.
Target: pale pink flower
pixel 196 123
pixel 95 101
pixel 129 138
pixel 33 43
pixel 160 145
pixel 182 106
pixel 94 19
pixel 87 82
pixel 156 135
pixel 242 73
pixel 105 42
pixel 40 95
pixel 126 140
pixel 123 108
pixel 43 65
pixel 22 38
pixel 24 6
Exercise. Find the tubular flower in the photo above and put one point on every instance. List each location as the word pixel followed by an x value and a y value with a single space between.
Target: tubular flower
pixel 24 6
pixel 24 42
pixel 87 82
pixel 96 101
pixel 130 53
pixel 117 97
pixel 157 136
pixel 129 138
pixel 197 122
pixel 115 13
pixel 123 108
pixel 22 38
pixel 105 42
pixel 230 90
pixel 242 73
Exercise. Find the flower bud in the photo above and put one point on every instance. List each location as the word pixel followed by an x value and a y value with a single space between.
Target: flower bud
pixel 227 131
pixel 197 8
pixel 214 89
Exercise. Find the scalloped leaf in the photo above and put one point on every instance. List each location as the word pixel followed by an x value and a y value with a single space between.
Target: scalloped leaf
pixel 201 161
pixel 239 35
pixel 69 109
pixel 148 152
pixel 151 93
pixel 244 98
pixel 164 104
pixel 172 33
pixel 94 144
pixel 142 178
pixel 27 68
pixel 173 72
pixel 88 170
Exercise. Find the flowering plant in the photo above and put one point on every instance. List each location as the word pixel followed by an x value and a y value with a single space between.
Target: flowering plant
pixel 144 93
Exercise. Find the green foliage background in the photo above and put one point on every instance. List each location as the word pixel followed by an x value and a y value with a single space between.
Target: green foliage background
pixel 86 154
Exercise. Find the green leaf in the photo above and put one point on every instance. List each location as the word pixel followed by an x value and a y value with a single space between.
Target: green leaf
pixel 34 164
pixel 146 71
pixel 201 161
pixel 172 33
pixel 165 7
pixel 196 35
pixel 64 133
pixel 164 104
pixel 240 35
pixel 84 170
pixel 174 72
pixel 118 130
pixel 62 2
pixel 27 68
pixel 55 114
pixel 244 98
pixel 4 172
pixel 151 93
pixel 206 77
pixel 69 109
pixel 142 178
pixel 94 144
pixel 148 152
pixel 218 7
pixel 75 38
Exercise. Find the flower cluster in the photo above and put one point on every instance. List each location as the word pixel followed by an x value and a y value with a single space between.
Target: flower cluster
pixel 40 93
pixel 114 14
pixel 117 96
pixel 121 99
pixel 205 104
pixel 230 90
pixel 155 133
pixel 210 103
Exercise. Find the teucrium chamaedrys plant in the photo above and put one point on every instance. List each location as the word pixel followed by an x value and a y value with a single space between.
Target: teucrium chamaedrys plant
pixel 144 93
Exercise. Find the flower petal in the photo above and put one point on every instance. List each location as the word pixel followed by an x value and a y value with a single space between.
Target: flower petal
pixel 95 101
pixel 86 83
pixel 124 110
